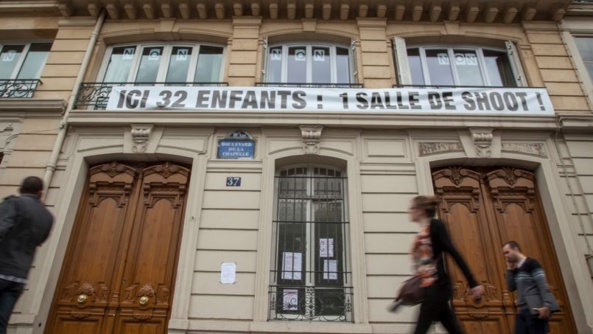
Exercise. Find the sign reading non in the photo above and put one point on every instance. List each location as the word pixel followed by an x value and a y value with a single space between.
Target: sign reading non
pixel 233 181
pixel 237 145
pixel 475 100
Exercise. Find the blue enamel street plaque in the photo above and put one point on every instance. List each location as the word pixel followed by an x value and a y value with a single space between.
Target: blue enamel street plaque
pixel 236 149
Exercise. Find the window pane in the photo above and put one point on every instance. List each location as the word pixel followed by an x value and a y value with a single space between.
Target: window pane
pixel 468 68
pixel 297 64
pixel 149 64
pixel 120 63
pixel 9 57
pixel 498 68
pixel 439 68
pixel 585 46
pixel 35 61
pixel 209 64
pixel 179 64
pixel 321 65
pixel 291 253
pixel 343 65
pixel 275 65
pixel 415 66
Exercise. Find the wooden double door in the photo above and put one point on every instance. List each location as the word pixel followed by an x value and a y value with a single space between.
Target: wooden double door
pixel 483 208
pixel 119 271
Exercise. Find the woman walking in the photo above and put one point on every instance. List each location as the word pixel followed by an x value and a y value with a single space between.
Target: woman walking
pixel 427 253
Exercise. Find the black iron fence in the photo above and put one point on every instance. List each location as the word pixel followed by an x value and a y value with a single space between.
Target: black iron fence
pixel 20 88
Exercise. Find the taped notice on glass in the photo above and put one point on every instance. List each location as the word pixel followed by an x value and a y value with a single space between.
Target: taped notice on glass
pixel 326 247
pixel 292 265
pixel 290 300
pixel 330 269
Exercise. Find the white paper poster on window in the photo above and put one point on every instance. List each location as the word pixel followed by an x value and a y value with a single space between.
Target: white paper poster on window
pixel 330 269
pixel 128 53
pixel 326 247
pixel 290 300
pixel 182 54
pixel 292 265
pixel 300 55
pixel 443 58
pixel 9 56
pixel 319 55
pixel 276 54
pixel 154 54
pixel 228 273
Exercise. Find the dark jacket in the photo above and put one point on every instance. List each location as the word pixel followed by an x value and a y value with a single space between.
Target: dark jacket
pixel 441 242
pixel 25 223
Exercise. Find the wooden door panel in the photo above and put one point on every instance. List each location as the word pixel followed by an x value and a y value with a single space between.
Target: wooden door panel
pixel 483 209
pixel 520 217
pixel 119 272
pixel 93 259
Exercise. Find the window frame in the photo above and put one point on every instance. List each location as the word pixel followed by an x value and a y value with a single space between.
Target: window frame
pixel 587 78
pixel 309 45
pixel 311 249
pixel 27 46
pixel 400 48
pixel 164 62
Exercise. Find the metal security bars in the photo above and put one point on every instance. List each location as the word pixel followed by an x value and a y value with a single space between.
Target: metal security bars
pixel 94 95
pixel 311 276
pixel 20 88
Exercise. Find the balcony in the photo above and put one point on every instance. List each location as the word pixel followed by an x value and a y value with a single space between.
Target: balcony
pixel 22 88
pixel 308 85
pixel 94 95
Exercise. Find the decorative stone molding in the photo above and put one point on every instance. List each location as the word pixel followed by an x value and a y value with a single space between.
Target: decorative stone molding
pixel 482 138
pixel 438 147
pixel 536 149
pixel 140 137
pixel 311 137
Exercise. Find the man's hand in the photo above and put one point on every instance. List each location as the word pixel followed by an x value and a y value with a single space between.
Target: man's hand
pixel 544 312
pixel 478 292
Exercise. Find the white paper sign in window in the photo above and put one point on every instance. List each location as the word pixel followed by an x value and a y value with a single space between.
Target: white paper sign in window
pixel 319 55
pixel 290 300
pixel 128 53
pixel 330 269
pixel 443 58
pixel 300 55
pixel 292 265
pixel 326 247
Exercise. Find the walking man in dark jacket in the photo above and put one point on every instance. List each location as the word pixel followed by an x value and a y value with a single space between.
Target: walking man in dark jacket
pixel 526 276
pixel 24 224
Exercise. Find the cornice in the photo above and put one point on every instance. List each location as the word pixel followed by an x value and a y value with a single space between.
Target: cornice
pixel 494 11
pixel 31 107
pixel 352 120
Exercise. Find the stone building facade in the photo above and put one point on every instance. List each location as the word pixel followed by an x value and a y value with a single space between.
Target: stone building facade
pixel 235 166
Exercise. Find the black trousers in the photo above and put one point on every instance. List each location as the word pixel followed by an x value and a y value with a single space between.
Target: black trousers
pixel 435 307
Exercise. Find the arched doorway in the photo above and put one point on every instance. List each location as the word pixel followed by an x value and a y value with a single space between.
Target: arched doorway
pixel 483 208
pixel 119 270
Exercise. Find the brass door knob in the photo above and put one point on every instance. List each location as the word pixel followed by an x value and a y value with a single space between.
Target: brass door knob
pixel 143 300
pixel 82 298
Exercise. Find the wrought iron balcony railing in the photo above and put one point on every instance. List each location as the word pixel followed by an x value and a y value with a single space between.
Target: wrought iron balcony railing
pixel 308 303
pixel 308 85
pixel 20 88
pixel 94 95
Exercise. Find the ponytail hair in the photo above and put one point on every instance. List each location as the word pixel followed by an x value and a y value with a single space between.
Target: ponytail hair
pixel 427 204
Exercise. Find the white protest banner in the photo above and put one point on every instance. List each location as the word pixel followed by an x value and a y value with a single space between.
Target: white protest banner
pixel 475 100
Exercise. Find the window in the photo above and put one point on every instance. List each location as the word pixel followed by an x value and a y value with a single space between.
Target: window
pixel 438 65
pixel 310 276
pixel 585 46
pixel 20 68
pixel 309 64
pixel 152 63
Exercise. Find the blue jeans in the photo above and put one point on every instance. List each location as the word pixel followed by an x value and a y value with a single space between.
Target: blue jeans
pixel 525 323
pixel 9 294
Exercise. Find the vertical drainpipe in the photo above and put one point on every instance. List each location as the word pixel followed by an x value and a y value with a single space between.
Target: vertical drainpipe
pixel 63 128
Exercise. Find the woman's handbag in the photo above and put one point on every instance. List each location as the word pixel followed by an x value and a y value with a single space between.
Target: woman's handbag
pixel 411 292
